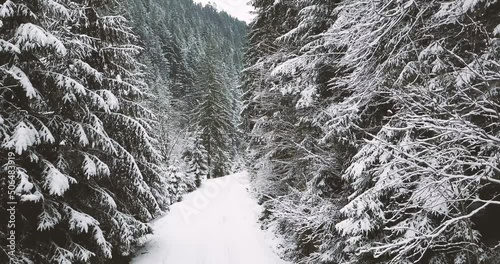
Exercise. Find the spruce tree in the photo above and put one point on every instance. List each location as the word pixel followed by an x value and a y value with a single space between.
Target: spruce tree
pixel 197 160
pixel 87 174
pixel 213 117
pixel 423 182
pixel 177 182
pixel 175 37
pixel 395 97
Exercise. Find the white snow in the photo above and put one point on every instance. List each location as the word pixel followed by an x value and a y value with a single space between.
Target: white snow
pixel 25 82
pixel 83 139
pixel 217 224
pixel 55 181
pixel 89 167
pixel 25 136
pixel 101 241
pixel 7 9
pixel 496 31
pixel 47 220
pixel 80 221
pixel 469 5
pixel 30 36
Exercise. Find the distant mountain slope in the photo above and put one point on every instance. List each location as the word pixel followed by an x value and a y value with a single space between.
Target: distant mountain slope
pixel 237 8
pixel 175 34
pixel 185 44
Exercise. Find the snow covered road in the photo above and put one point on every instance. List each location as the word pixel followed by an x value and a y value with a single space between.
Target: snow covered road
pixel 217 224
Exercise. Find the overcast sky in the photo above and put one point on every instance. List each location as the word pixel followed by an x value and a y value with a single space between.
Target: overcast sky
pixel 237 8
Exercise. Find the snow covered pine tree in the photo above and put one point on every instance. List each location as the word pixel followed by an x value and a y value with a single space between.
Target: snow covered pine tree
pixel 87 173
pixel 177 184
pixel 197 160
pixel 407 115
pixel 213 117
pixel 287 92
pixel 426 179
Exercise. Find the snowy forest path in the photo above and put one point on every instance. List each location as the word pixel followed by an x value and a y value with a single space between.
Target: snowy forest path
pixel 216 224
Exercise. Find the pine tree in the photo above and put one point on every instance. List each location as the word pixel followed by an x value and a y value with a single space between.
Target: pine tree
pixel 213 117
pixel 397 98
pixel 287 94
pixel 197 160
pixel 420 181
pixel 177 182
pixel 175 37
pixel 87 172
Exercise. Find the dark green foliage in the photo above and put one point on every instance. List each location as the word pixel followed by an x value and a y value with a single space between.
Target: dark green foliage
pixel 195 55
pixel 213 116
pixel 87 174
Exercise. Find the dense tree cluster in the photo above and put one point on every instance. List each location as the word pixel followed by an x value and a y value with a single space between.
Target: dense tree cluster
pixel 87 173
pixel 374 128
pixel 89 120
pixel 195 55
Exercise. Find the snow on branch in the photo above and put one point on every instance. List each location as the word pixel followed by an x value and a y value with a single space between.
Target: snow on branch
pixel 29 36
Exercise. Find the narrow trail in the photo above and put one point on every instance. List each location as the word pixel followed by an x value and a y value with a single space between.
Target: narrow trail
pixel 216 224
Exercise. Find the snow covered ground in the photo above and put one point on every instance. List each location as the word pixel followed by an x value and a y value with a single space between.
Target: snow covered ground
pixel 217 224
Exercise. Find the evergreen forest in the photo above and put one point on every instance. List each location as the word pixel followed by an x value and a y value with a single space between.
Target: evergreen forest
pixel 364 131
